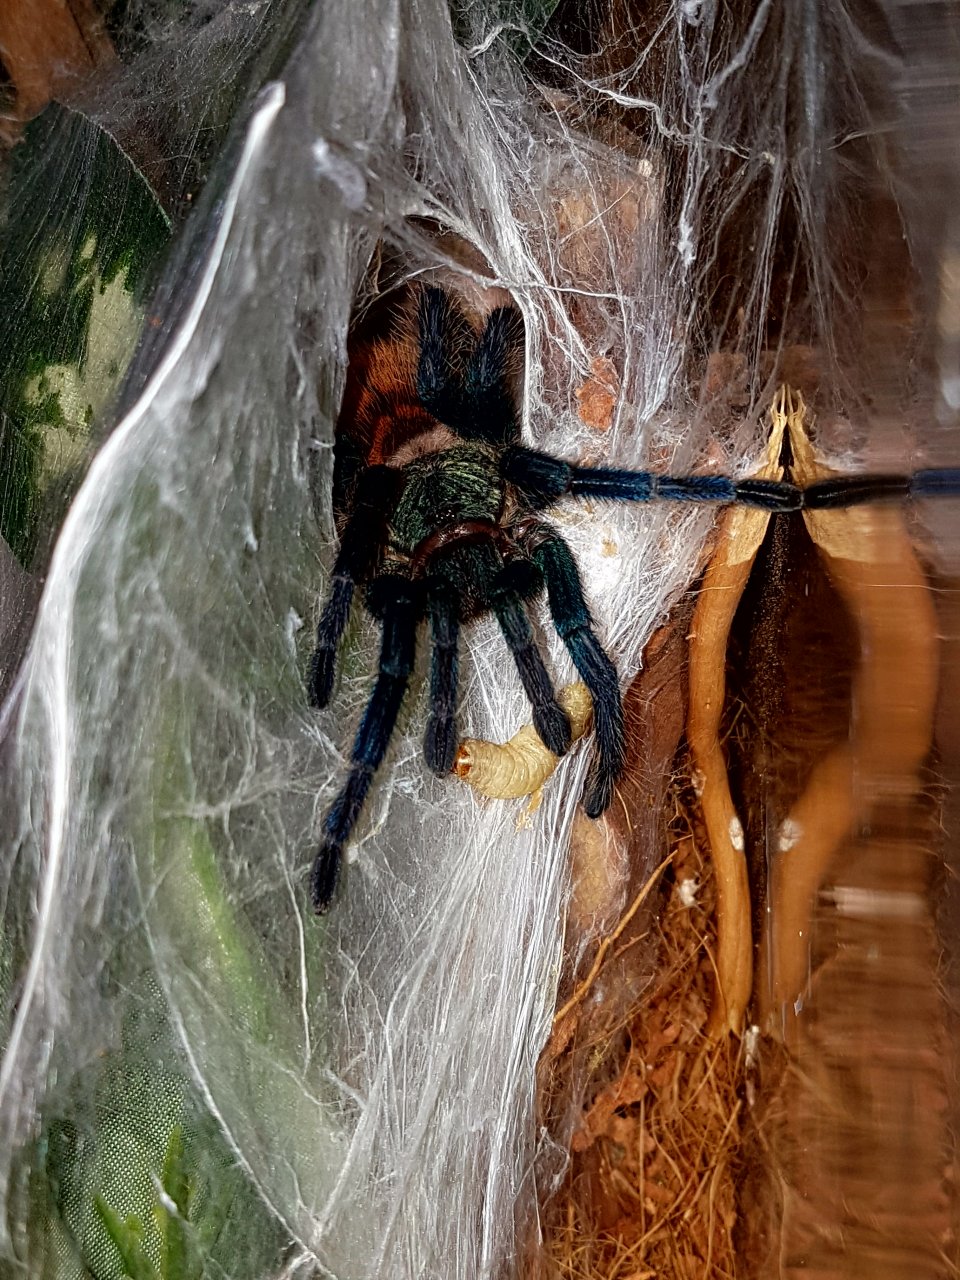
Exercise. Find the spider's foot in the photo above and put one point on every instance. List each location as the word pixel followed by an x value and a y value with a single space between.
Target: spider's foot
pixel 440 744
pixel 320 677
pixel 324 876
pixel 598 792
pixel 553 725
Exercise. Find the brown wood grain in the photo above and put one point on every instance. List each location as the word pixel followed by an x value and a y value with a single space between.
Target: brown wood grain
pixel 48 45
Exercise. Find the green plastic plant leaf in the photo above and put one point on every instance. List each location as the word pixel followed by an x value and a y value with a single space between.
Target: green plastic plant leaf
pixel 124 1207
pixel 179 1258
pixel 127 1235
pixel 83 236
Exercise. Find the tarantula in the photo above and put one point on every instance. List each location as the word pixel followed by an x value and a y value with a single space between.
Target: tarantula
pixel 438 505
pixel 440 508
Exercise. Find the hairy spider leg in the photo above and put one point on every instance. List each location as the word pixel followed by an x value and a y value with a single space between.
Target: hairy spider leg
pixel 549 719
pixel 850 491
pixel 443 335
pixel 544 479
pixel 471 396
pixel 490 414
pixel 440 739
pixel 934 481
pixel 571 617
pixel 396 600
pixel 360 550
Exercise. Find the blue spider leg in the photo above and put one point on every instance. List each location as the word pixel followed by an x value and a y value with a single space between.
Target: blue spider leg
pixel 440 739
pixel 571 617
pixel 489 410
pixel 359 552
pixel 549 719
pixel 543 480
pixel 398 602
pixel 851 491
pixel 935 482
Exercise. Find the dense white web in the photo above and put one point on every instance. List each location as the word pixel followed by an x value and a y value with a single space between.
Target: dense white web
pixel 163 779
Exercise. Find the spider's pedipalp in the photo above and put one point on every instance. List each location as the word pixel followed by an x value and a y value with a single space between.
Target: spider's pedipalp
pixel 571 617
pixel 549 718
pixel 440 739
pixel 398 604
pixel 360 551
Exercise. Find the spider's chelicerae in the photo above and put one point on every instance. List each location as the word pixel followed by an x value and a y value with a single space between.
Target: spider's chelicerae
pixel 440 513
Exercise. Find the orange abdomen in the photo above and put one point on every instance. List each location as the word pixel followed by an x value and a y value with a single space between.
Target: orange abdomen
pixel 380 410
